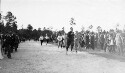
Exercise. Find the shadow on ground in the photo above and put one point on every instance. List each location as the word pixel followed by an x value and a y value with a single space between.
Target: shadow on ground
pixel 105 54
pixel 110 56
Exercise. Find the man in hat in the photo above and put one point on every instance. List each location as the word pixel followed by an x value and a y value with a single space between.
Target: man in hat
pixel 119 42
pixel 47 39
pixel 70 39
pixel 102 40
pixel 41 39
pixel 92 41
pixel 87 40
pixel 59 38
pixel 77 41
pixel 8 44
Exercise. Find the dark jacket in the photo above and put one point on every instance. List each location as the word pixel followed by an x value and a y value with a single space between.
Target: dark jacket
pixel 70 36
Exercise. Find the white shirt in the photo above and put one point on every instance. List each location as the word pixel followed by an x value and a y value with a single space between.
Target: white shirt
pixel 118 39
pixel 41 38
pixel 63 36
pixel 59 38
pixel 47 37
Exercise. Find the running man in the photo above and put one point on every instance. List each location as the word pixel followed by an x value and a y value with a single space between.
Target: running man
pixel 41 39
pixel 59 38
pixel 70 40
pixel 47 39
pixel 77 41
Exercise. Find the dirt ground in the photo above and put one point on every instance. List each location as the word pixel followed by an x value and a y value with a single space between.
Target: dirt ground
pixel 34 58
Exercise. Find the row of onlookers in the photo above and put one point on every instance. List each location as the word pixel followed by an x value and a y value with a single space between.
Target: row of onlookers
pixel 108 41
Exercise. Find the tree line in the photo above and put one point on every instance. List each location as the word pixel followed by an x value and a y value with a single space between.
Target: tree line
pixel 9 23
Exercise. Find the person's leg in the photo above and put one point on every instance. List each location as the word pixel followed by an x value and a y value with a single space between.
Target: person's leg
pixel 86 45
pixel 121 48
pixel 72 45
pixel 11 46
pixel 101 46
pixel 98 44
pixel 93 47
pixel 109 48
pixel 9 52
pixel 16 46
pixel 61 44
pixel 5 50
pixel 79 46
pixel 83 43
pixel 113 48
pixel 95 44
pixel 68 44
pixel 58 44
pixel 46 42
pixel 41 42
pixel 105 45
pixel 75 45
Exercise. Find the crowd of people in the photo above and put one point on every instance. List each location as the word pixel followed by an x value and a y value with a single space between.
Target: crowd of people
pixel 111 41
pixel 8 43
pixel 108 41
pixel 42 39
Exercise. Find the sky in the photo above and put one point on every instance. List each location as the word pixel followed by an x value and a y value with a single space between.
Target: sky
pixel 57 13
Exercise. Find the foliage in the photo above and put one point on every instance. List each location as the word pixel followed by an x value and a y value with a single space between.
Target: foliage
pixel 11 23
pixel 72 21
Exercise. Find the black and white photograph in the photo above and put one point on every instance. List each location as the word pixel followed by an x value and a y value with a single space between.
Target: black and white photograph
pixel 62 36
